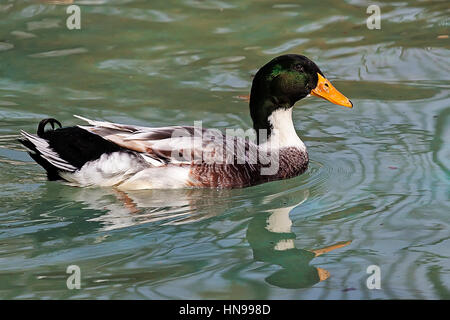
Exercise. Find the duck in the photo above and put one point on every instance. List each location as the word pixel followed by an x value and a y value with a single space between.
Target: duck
pixel 129 157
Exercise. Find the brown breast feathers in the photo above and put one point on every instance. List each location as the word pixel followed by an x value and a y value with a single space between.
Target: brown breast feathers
pixel 291 162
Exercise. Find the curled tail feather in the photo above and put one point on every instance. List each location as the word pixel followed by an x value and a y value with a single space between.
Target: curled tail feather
pixel 43 123
pixel 41 152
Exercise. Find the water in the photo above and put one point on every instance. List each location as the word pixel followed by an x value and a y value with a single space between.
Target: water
pixel 376 193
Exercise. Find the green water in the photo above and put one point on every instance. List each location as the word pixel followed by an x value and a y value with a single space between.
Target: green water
pixel 376 192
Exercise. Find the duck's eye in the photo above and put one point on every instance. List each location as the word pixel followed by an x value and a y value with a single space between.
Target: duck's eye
pixel 298 67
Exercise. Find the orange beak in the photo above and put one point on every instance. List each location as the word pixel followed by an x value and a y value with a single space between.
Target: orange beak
pixel 325 90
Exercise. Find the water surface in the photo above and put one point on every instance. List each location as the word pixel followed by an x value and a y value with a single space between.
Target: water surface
pixel 376 192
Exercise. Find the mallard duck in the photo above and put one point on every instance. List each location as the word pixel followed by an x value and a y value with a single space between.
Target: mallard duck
pixel 132 157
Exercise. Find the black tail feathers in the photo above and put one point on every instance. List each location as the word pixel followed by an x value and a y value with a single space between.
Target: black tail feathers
pixel 43 123
pixel 65 149
pixel 52 172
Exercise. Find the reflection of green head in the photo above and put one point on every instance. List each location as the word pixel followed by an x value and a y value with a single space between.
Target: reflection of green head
pixel 296 272
pixel 292 278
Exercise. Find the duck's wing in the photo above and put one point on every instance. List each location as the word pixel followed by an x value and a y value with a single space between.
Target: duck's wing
pixel 176 144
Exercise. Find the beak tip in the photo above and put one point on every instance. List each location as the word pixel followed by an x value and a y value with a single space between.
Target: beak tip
pixel 351 104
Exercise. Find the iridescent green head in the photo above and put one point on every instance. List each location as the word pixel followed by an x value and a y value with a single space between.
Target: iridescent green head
pixel 285 80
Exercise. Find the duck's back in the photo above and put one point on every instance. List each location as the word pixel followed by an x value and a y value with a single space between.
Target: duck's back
pixel 132 157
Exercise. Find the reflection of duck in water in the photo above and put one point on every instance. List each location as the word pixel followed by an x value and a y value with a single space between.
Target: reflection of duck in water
pixel 272 241
pixel 269 232
pixel 125 209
